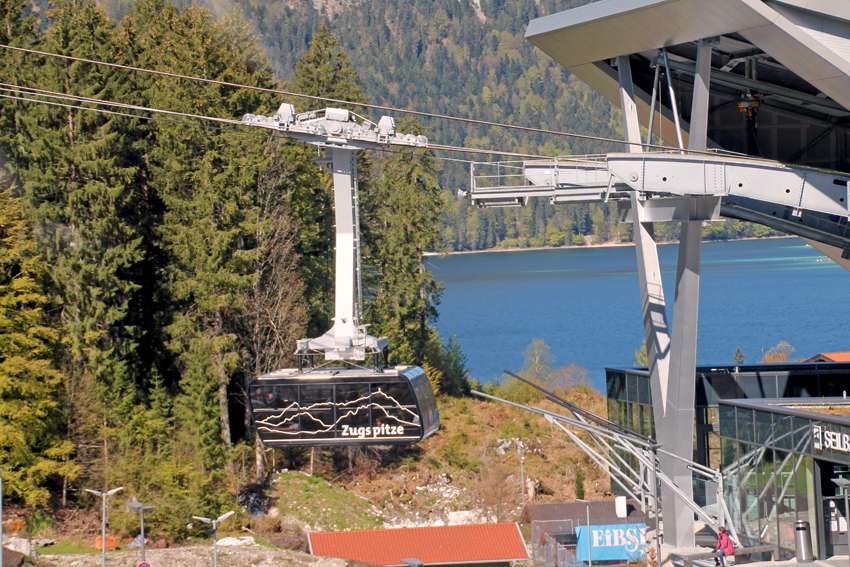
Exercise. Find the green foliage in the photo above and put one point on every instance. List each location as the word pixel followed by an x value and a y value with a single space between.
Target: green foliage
pixel 579 484
pixel 406 224
pixel 314 502
pixel 641 358
pixel 739 356
pixel 32 450
pixel 149 270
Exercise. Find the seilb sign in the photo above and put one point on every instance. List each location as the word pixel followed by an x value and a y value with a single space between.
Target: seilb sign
pixel 612 542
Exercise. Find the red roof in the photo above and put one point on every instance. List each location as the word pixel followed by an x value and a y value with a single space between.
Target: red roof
pixel 838 356
pixel 843 356
pixel 441 544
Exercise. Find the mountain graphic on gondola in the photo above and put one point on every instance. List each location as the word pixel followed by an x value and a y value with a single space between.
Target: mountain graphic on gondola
pixel 289 425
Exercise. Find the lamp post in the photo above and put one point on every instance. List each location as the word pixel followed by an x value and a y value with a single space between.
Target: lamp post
pixel 587 506
pixel 1 516
pixel 844 484
pixel 141 509
pixel 103 495
pixel 215 524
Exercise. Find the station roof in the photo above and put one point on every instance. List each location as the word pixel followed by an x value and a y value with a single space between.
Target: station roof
pixel 601 512
pixel 473 543
pixel 792 54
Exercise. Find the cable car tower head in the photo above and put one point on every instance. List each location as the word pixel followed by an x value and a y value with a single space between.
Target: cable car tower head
pixel 350 404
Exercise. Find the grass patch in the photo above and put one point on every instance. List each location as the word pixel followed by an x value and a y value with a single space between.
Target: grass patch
pixel 71 546
pixel 317 503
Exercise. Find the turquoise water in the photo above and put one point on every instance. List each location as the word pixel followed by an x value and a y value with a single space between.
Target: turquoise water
pixel 585 303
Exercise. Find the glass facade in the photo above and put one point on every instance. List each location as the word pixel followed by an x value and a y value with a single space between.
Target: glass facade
pixel 771 458
pixel 630 398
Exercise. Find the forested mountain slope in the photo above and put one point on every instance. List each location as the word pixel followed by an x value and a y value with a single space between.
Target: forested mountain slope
pixel 465 58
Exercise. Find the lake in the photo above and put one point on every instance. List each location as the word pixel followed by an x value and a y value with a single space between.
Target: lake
pixel 585 303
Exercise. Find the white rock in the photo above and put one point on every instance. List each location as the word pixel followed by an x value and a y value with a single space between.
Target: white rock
pixel 19 544
pixel 236 541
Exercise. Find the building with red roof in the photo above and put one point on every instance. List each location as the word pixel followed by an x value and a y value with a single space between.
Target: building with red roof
pixel 843 356
pixel 490 545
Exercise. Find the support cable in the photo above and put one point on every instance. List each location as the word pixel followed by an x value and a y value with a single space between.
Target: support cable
pixel 434 147
pixel 336 101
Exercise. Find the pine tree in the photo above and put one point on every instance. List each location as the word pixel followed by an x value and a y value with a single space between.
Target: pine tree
pixel 81 178
pixel 207 181
pixel 33 451
pixel 406 226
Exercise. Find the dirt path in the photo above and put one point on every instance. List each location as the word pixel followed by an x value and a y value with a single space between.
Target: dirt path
pixel 200 556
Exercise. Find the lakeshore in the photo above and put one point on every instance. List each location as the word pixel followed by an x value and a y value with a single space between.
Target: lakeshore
pixel 588 246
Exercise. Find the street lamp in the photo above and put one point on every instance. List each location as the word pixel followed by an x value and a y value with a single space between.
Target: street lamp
pixel 103 529
pixel 844 484
pixel 141 509
pixel 1 516
pixel 587 505
pixel 215 524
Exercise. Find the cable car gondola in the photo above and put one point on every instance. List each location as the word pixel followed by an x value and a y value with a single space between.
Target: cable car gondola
pixel 350 404
pixel 343 406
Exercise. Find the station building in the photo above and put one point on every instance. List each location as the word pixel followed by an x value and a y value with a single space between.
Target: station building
pixel 779 433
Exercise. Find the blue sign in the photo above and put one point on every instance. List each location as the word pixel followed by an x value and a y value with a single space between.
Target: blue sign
pixel 615 542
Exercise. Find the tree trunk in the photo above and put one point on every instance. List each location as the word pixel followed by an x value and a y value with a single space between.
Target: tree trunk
pixel 258 456
pixel 224 411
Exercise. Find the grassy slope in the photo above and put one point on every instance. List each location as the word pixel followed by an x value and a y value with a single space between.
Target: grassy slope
pixel 412 483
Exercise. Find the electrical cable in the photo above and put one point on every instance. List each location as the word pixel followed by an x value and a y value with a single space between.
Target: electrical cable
pixel 338 101
pixel 124 114
pixel 4 87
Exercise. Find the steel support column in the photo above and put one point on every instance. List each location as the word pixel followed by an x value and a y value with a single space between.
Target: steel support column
pixel 628 102
pixel 679 418
pixel 679 522
pixel 698 135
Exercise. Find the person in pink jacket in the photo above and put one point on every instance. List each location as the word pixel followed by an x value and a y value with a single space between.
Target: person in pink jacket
pixel 724 547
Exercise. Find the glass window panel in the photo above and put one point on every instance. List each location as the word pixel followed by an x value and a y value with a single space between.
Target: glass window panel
pixel 317 423
pixel 723 387
pixel 632 387
pixel 767 496
pixel 802 436
pixel 615 385
pixel 731 489
pixel 645 390
pixel 782 432
pixel 764 428
pixel 647 418
pixel 317 396
pixel 391 395
pixel 749 492
pixel 806 509
pixel 624 414
pixel 786 503
pixel 352 394
pixel 712 439
pixel 612 410
pixel 726 415
pixel 702 385
pixel 758 386
pixel 744 419
pixel 800 386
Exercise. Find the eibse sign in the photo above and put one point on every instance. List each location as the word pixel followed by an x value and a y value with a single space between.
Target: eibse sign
pixel 611 542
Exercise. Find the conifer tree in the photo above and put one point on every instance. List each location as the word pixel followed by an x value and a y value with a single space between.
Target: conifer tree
pixel 207 181
pixel 80 175
pixel 406 226
pixel 32 449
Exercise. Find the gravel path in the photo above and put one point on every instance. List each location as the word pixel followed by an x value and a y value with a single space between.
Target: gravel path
pixel 201 556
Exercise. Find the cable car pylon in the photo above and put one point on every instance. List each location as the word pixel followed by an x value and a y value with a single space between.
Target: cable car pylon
pixel 354 402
